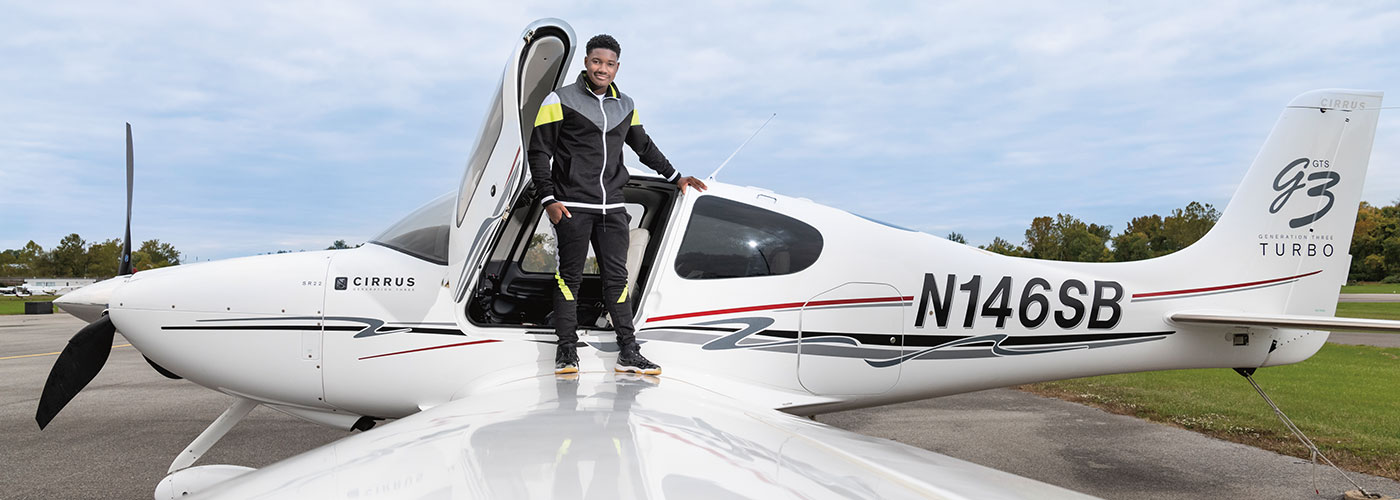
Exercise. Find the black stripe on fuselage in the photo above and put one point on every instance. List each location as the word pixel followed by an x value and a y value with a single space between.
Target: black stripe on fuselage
pixel 1075 338
pixel 436 331
pixel 912 340
pixel 257 327
pixel 880 339
pixel 315 328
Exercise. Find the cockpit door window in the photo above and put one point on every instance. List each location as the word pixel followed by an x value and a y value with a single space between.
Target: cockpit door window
pixel 496 172
pixel 729 239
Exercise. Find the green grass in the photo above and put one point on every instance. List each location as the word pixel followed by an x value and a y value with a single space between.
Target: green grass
pixel 15 305
pixel 1372 287
pixel 1373 310
pixel 1344 398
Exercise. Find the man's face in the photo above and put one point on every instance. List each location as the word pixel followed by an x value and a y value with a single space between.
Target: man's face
pixel 601 65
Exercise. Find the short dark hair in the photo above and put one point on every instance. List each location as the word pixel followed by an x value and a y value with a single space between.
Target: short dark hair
pixel 603 42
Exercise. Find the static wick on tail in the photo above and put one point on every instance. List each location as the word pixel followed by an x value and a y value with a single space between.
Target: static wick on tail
pixel 741 147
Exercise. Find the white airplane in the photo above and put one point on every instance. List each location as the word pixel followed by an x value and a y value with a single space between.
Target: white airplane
pixel 42 290
pixel 51 290
pixel 59 286
pixel 763 308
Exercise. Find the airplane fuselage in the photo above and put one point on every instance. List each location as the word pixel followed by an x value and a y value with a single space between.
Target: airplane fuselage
pixel 882 315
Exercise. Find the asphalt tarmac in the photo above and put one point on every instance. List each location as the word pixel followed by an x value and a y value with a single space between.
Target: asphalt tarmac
pixel 117 438
pixel 1369 297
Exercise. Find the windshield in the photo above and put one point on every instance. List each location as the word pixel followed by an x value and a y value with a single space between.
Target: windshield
pixel 423 233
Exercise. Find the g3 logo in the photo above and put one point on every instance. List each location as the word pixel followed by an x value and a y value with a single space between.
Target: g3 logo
pixel 1286 184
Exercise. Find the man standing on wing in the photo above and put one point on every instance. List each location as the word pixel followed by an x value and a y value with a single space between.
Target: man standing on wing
pixel 582 127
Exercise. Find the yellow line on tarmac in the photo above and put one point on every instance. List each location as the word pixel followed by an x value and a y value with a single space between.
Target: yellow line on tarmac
pixel 49 353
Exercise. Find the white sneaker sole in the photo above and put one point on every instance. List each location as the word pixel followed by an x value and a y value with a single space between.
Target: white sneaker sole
pixel 633 369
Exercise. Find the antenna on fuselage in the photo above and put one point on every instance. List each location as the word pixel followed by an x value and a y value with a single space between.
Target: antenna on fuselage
pixel 741 147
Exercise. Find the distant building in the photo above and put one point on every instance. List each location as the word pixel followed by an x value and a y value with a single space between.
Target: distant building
pixel 55 286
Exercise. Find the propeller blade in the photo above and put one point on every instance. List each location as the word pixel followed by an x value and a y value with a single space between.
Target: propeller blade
pixel 125 267
pixel 77 365
pixel 161 370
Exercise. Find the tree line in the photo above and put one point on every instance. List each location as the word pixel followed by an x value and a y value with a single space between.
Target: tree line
pixel 1375 245
pixel 337 245
pixel 76 258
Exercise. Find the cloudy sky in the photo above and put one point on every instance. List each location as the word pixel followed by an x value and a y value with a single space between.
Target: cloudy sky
pixel 288 125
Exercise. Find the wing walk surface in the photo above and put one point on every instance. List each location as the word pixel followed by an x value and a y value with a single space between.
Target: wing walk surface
pixel 620 436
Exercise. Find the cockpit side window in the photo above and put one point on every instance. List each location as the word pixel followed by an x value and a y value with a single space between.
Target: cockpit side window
pixel 423 233
pixel 728 239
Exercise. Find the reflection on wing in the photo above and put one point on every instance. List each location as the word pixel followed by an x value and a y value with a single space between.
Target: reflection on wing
pixel 601 435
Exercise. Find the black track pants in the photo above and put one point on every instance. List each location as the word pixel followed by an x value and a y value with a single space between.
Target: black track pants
pixel 608 234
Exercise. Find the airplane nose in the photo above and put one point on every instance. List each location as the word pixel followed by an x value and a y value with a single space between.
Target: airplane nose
pixel 131 304
pixel 87 303
pixel 240 325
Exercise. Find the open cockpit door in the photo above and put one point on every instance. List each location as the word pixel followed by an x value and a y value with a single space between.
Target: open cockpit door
pixel 496 173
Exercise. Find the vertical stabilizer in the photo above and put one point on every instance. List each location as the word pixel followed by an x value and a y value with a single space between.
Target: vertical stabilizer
pixel 1293 215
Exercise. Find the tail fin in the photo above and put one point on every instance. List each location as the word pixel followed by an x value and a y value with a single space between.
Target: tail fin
pixel 1293 215
pixel 1288 228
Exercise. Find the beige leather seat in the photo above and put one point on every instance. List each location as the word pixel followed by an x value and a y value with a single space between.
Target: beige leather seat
pixel 637 246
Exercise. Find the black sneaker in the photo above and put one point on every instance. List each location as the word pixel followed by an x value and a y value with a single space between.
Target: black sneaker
pixel 630 360
pixel 565 360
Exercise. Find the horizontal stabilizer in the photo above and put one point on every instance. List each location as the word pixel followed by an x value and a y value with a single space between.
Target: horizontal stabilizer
pixel 1285 321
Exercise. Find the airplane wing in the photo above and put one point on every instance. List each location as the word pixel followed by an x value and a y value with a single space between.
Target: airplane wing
pixel 601 435
pixel 1226 318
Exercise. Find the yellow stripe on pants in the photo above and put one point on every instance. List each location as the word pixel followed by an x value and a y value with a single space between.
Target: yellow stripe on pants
pixel 564 288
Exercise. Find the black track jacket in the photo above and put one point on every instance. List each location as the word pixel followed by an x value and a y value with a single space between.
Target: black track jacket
pixel 584 132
